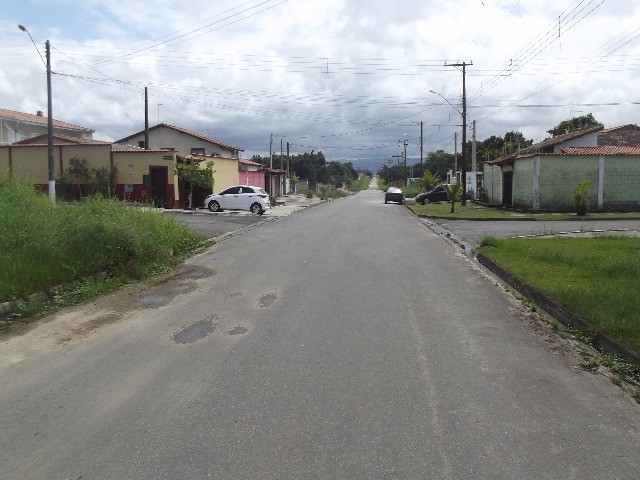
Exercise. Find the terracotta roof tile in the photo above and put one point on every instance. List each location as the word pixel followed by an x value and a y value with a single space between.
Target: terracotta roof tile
pixel 39 120
pixel 601 150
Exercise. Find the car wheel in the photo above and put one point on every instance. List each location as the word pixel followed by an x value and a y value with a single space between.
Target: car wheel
pixel 427 200
pixel 214 206
pixel 401 202
pixel 256 209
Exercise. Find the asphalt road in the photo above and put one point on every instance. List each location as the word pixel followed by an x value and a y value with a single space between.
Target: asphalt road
pixel 211 225
pixel 347 342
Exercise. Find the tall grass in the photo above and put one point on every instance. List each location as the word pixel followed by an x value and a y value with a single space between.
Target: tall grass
pixel 43 245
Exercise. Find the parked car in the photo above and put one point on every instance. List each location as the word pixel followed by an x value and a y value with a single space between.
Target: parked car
pixel 240 197
pixel 438 194
pixel 394 194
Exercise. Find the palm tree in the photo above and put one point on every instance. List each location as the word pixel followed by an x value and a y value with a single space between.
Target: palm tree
pixel 454 191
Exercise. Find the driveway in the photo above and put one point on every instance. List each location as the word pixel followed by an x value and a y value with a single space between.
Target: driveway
pixel 473 231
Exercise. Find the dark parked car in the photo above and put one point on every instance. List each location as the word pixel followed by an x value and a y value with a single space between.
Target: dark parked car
pixel 438 194
pixel 394 194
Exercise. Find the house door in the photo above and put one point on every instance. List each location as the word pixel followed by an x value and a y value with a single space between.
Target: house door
pixel 159 177
pixel 507 189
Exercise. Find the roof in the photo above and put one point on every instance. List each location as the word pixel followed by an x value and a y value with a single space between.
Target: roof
pixel 629 126
pixel 199 136
pixel 607 150
pixel 41 141
pixel 39 120
pixel 249 162
pixel 59 139
pixel 549 142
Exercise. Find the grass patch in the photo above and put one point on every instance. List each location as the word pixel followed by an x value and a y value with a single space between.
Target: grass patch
pixel 42 246
pixel 597 278
pixel 362 184
pixel 476 211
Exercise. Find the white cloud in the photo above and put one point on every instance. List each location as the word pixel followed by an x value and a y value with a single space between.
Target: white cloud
pixel 324 74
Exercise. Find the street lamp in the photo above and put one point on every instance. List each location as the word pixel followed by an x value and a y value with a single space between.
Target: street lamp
pixel 52 180
pixel 444 98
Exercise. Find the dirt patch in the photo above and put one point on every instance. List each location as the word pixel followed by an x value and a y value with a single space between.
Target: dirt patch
pixel 75 323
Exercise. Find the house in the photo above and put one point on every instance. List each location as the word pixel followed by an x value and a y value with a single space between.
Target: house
pixel 142 175
pixel 193 146
pixel 18 126
pixel 169 137
pixel 622 136
pixel 251 173
pixel 544 176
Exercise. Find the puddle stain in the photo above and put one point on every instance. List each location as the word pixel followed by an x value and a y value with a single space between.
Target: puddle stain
pixel 195 332
pixel 238 331
pixel 267 300
pixel 235 294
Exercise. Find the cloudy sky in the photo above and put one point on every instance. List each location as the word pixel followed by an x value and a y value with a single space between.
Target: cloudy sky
pixel 348 77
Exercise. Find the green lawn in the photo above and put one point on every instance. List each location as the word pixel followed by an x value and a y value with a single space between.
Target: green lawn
pixel 597 278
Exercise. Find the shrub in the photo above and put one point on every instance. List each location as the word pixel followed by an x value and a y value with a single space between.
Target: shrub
pixel 43 245
pixel 581 198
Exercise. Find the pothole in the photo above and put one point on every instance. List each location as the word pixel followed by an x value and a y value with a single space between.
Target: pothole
pixel 235 294
pixel 267 300
pixel 192 333
pixel 238 331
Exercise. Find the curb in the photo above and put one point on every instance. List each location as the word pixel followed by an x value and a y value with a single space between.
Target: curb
pixel 559 311
pixel 601 340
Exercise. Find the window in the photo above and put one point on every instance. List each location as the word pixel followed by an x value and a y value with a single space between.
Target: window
pixel 141 143
pixel 197 151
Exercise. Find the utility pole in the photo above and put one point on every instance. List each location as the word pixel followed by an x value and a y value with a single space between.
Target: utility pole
pixel 473 162
pixel 455 153
pixel 421 169
pixel 52 178
pixel 146 119
pixel 464 127
pixel 404 143
pixel 271 151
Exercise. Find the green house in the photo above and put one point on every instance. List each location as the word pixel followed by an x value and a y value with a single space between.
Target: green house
pixel 544 176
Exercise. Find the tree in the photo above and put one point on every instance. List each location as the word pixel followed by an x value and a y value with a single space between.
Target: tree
pixel 429 180
pixel 191 172
pixel 80 180
pixel 454 190
pixel 574 124
pixel 439 163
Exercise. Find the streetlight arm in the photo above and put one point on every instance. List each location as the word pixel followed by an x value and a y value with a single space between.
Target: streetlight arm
pixel 24 29
pixel 452 106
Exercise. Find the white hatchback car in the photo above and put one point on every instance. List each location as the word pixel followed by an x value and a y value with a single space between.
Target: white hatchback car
pixel 240 197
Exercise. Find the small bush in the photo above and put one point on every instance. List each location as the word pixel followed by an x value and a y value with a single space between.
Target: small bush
pixel 489 241
pixel 581 198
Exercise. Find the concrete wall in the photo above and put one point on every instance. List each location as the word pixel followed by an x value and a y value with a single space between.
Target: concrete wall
pixel 560 176
pixel 30 162
pixel 621 183
pixel 225 173
pixel 523 182
pixel 492 176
